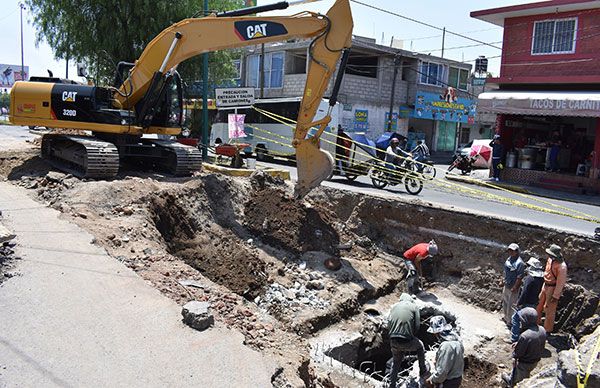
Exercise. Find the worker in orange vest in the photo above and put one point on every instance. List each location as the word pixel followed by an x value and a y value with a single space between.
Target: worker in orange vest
pixel 555 277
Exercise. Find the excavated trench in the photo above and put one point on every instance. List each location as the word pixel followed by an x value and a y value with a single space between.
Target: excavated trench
pixel 255 239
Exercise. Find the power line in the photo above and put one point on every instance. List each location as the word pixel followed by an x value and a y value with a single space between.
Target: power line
pixel 425 24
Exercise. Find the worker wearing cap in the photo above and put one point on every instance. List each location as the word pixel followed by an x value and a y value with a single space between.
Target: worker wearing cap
pixel 403 325
pixel 514 271
pixel 555 277
pixel 412 259
pixel 530 294
pixel 449 358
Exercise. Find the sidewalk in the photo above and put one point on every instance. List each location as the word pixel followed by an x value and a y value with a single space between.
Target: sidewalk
pixel 480 178
pixel 77 317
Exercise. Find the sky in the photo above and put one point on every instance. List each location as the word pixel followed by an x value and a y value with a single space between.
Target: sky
pixel 367 22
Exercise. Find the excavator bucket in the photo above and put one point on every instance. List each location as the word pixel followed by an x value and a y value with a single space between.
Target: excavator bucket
pixel 314 166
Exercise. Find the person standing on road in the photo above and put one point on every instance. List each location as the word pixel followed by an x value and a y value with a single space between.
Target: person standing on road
pixel 412 259
pixel 555 278
pixel 528 350
pixel 514 271
pixel 530 294
pixel 449 359
pixel 403 325
pixel 497 153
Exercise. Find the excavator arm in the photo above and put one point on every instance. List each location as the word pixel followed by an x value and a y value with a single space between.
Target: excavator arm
pixel 331 34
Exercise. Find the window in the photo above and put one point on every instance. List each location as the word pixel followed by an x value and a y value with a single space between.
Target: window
pixel 458 78
pixel 432 74
pixel 273 75
pixel 554 36
pixel 365 66
pixel 237 65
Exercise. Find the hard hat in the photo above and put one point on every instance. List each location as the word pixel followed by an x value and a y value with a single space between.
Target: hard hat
pixel 514 247
pixel 433 248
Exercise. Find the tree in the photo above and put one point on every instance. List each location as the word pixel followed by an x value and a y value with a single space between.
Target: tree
pixel 100 33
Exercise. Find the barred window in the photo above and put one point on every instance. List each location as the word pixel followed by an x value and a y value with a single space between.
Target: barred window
pixel 554 36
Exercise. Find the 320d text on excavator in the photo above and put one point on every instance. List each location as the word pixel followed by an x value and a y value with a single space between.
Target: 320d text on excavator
pixel 147 96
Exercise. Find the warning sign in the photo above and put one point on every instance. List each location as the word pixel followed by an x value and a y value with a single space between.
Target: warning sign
pixel 234 97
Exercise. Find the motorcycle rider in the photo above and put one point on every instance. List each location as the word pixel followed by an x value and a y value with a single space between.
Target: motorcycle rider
pixel 394 154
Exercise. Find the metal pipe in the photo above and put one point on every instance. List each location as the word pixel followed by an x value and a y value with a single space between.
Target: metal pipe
pixel 170 52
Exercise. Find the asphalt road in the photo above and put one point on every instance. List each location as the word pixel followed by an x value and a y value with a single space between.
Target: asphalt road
pixel 435 194
pixel 456 198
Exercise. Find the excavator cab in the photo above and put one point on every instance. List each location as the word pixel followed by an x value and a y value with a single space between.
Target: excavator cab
pixel 170 104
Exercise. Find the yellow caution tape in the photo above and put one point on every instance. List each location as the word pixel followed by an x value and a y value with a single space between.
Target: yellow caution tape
pixel 443 183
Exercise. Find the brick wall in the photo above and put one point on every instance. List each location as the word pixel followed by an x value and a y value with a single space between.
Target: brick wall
pixel 517 60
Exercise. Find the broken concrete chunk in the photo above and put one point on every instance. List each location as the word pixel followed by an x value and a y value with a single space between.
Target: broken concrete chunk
pixel 54 176
pixel 5 234
pixel 197 315
pixel 315 285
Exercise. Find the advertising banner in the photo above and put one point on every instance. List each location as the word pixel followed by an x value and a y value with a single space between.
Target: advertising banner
pixel 11 73
pixel 236 126
pixel 445 107
pixel 361 120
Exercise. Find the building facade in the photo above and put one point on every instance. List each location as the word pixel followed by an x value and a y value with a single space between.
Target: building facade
pixel 547 97
pixel 423 106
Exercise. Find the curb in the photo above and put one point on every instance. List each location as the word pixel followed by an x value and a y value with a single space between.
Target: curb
pixel 517 189
pixel 242 172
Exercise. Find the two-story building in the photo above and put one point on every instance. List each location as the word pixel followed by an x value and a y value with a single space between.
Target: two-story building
pixel 423 107
pixel 547 97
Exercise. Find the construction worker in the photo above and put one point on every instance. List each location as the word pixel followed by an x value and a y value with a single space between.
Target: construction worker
pixel 403 325
pixel 530 294
pixel 555 277
pixel 449 361
pixel 413 258
pixel 514 271
pixel 528 350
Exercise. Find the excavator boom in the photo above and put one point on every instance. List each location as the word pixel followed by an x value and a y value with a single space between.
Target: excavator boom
pixel 331 34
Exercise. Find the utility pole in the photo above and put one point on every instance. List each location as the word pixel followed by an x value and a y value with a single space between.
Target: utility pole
pixel 261 75
pixel 443 40
pixel 22 6
pixel 205 97
pixel 396 64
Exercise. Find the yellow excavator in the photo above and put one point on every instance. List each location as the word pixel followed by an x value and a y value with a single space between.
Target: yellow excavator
pixel 147 96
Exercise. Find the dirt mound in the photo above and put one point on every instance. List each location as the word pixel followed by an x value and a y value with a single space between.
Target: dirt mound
pixel 478 373
pixel 281 221
pixel 16 164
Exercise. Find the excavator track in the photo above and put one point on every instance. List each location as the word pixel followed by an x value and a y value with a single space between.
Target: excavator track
pixel 82 156
pixel 181 159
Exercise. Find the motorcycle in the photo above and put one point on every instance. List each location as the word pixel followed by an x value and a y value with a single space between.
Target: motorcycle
pixel 464 163
pixel 381 177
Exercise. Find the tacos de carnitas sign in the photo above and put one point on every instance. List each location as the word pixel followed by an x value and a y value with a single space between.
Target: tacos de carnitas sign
pixel 538 103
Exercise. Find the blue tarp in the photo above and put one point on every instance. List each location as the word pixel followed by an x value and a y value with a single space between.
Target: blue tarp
pixel 364 143
pixel 384 140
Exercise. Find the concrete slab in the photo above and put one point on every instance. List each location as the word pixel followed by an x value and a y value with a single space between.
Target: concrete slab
pixel 77 317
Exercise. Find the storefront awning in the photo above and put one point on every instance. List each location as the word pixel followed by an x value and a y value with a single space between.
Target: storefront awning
pixel 580 104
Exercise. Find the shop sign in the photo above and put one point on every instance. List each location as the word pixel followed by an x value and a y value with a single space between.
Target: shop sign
pixel 479 81
pixel 361 120
pixel 347 107
pixel 445 107
pixel 588 105
pixel 394 121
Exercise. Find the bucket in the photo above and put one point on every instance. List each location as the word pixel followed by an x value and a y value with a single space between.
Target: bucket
pixel 511 159
pixel 251 163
